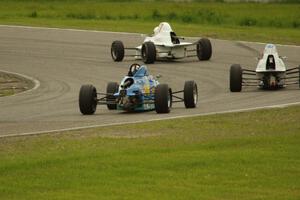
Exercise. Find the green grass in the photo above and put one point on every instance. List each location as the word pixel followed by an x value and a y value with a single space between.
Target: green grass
pixel 274 22
pixel 252 155
pixel 6 92
pixel 11 84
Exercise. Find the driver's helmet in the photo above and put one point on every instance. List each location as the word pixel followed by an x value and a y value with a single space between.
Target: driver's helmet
pixel 156 30
pixel 271 59
pixel 133 69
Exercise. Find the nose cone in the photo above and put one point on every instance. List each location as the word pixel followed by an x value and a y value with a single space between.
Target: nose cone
pixel 270 49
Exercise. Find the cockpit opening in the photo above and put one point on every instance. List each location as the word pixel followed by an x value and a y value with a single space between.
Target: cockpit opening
pixel 127 83
pixel 174 38
pixel 270 64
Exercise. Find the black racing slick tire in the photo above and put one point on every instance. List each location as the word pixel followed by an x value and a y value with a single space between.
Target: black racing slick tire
pixel 190 94
pixel 236 77
pixel 117 51
pixel 87 99
pixel 204 49
pixel 299 76
pixel 148 52
pixel 163 98
pixel 112 87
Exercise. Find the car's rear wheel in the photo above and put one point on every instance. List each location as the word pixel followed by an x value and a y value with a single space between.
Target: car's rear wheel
pixel 117 51
pixel 204 49
pixel 163 98
pixel 87 99
pixel 236 77
pixel 148 52
pixel 299 76
pixel 190 94
pixel 112 87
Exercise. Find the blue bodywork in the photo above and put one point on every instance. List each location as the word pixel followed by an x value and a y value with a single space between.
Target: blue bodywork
pixel 139 94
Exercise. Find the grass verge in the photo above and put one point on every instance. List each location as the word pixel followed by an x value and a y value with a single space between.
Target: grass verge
pixel 251 155
pixel 11 84
pixel 274 22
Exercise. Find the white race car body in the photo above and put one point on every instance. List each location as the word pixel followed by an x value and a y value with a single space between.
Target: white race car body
pixel 270 73
pixel 166 43
pixel 271 69
pixel 270 61
pixel 163 44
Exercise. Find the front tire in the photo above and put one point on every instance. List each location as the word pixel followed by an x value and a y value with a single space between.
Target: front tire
pixel 117 51
pixel 112 87
pixel 87 99
pixel 148 52
pixel 190 94
pixel 236 77
pixel 163 98
pixel 204 49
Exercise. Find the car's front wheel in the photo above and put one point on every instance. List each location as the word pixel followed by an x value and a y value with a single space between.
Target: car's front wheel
pixel 236 77
pixel 163 98
pixel 117 51
pixel 87 99
pixel 190 94
pixel 112 87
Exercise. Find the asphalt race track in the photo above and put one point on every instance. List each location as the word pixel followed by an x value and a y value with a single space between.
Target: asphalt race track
pixel 63 60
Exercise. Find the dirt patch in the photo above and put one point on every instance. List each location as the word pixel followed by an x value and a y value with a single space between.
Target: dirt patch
pixel 12 84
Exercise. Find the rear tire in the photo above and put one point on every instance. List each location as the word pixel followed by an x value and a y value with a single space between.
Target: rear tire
pixel 163 98
pixel 236 77
pixel 299 76
pixel 204 49
pixel 190 94
pixel 112 87
pixel 117 51
pixel 87 99
pixel 148 52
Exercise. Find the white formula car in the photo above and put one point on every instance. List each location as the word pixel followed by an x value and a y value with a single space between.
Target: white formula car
pixel 163 44
pixel 270 73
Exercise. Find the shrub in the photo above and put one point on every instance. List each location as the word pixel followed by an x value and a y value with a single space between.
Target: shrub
pixel 33 14
pixel 275 23
pixel 187 18
pixel 156 14
pixel 296 24
pixel 81 15
pixel 247 21
pixel 172 16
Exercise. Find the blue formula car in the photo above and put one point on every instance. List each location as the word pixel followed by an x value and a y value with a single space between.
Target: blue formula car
pixel 138 91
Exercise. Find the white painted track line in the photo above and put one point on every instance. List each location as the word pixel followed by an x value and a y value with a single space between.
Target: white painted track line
pixel 152 120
